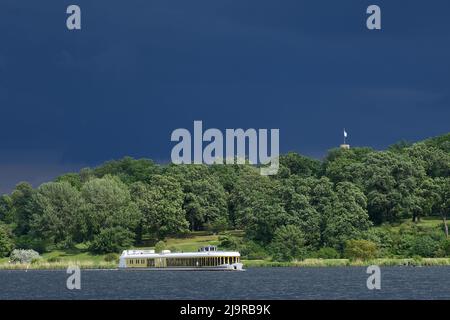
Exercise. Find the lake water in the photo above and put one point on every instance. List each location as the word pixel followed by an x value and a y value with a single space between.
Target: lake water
pixel 256 283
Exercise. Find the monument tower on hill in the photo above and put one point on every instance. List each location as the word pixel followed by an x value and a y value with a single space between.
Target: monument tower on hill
pixel 345 145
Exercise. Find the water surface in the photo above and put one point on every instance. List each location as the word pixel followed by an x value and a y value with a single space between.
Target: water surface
pixel 255 283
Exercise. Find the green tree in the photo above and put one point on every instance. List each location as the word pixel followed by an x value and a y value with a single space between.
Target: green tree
pixel 58 213
pixel 347 218
pixel 424 246
pixel 446 247
pixel 160 246
pixel 229 242
pixel 22 207
pixel 300 165
pixel 251 191
pixel 6 206
pixel 443 202
pixel 399 146
pixel 129 170
pixel 6 240
pixel 442 142
pixel 391 182
pixel 295 195
pixel 342 165
pixel 218 225
pixel 422 200
pixel 256 206
pixel 435 161
pixel 205 203
pixel 108 205
pixel 74 179
pixel 205 196
pixel 112 239
pixel 288 244
pixel 161 206
pixel 253 250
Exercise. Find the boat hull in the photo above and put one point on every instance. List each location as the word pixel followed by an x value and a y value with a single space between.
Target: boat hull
pixel 232 267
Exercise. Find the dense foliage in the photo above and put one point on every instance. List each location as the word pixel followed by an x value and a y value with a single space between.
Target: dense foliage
pixel 360 249
pixel 6 241
pixel 341 206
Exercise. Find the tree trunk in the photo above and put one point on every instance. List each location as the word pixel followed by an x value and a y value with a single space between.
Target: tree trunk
pixel 444 219
pixel 192 224
pixel 139 233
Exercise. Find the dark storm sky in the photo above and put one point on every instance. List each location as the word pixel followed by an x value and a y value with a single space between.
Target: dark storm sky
pixel 139 69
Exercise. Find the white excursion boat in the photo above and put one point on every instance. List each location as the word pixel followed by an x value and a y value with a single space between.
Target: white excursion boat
pixel 206 258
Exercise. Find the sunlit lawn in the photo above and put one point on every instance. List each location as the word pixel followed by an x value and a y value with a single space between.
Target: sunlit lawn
pixel 427 222
pixel 195 240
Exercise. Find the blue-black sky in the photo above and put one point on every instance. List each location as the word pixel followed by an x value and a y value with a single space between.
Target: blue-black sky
pixel 139 69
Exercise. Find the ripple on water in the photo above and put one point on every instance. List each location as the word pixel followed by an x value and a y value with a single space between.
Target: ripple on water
pixel 255 283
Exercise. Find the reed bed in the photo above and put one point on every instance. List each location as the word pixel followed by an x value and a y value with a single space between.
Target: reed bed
pixel 347 262
pixel 86 264
pixel 45 265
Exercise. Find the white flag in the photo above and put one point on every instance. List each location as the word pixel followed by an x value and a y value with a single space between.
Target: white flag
pixel 345 134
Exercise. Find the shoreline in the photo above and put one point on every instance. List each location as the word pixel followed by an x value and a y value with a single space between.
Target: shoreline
pixel 307 263
pixel 385 262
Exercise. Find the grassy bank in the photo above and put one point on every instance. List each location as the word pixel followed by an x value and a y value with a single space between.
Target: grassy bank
pixel 349 263
pixel 45 265
pixel 84 264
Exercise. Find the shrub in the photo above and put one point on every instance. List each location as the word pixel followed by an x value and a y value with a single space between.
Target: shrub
pixel 6 241
pixel 288 244
pixel 360 249
pixel 420 241
pixel 110 257
pixel 404 244
pixel 424 246
pixel 446 247
pixel 160 246
pixel 229 242
pixel 253 251
pixel 113 239
pixel 327 253
pixel 408 228
pixel 23 256
pixel 383 238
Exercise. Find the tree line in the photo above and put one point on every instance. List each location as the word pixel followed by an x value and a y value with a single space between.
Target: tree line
pixel 310 206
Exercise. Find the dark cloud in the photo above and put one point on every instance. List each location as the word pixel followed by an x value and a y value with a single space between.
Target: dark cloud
pixel 140 69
